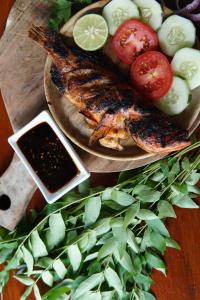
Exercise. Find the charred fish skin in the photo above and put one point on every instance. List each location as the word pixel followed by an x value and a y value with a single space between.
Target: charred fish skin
pixel 111 106
pixel 57 79
pixel 158 135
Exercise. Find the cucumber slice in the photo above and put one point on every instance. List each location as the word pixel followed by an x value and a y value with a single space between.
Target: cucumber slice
pixel 176 33
pixel 177 99
pixel 118 11
pixel 151 12
pixel 186 63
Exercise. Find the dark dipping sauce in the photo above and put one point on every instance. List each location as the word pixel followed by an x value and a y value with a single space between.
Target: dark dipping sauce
pixel 48 157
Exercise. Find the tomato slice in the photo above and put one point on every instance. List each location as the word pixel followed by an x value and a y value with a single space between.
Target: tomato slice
pixel 152 75
pixel 132 39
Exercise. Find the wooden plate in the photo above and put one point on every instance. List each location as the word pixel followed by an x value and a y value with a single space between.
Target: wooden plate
pixel 73 124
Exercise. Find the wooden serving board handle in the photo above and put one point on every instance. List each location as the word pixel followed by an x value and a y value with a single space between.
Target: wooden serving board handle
pixel 16 189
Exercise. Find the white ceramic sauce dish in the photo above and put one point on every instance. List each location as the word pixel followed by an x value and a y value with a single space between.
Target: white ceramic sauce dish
pixel 82 174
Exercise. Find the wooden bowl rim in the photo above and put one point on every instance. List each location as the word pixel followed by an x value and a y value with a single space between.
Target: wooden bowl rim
pixel 97 5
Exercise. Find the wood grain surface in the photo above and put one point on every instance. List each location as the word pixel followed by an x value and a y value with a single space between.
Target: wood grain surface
pixel 22 64
pixel 183 280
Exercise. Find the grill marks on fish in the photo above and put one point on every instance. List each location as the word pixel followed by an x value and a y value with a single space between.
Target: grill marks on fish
pixel 157 133
pixel 57 78
pixel 112 107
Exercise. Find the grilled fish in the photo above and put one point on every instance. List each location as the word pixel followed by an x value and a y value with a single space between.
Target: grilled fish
pixel 112 108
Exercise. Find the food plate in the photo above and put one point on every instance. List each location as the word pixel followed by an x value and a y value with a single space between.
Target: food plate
pixel 72 122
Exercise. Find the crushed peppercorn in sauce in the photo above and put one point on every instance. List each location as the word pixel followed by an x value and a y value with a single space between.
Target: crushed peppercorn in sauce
pixel 48 157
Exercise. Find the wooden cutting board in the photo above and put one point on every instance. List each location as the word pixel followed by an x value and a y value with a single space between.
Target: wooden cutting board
pixel 21 82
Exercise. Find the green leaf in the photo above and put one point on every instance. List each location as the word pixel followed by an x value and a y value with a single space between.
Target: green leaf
pixel 37 292
pixel 91 256
pixel 4 254
pixel 91 296
pixel 122 198
pixel 140 188
pixel 107 194
pixel 84 187
pixel 28 258
pixel 113 280
pixel 84 239
pixel 132 241
pixel 60 269
pixel 92 210
pixel 108 295
pixel 94 267
pixel 158 176
pixel 24 279
pixel 119 232
pixel 44 262
pixel 144 281
pixel 184 201
pixel 158 241
pixel 4 277
pixel 174 171
pixel 172 244
pixel 193 178
pixel 125 261
pixel 146 214
pixel 164 167
pixel 12 264
pixel 104 238
pixel 158 226
pixel 165 210
pixel 26 293
pixel 185 164
pixel 149 196
pixel 113 205
pixel 146 242
pixel 39 248
pixel 91 240
pixel 89 284
pixel 47 278
pixel 148 296
pixel 137 265
pixel 107 249
pixel 88 241
pixel 61 12
pixel 154 261
pixel 56 292
pixel 179 189
pixel 75 257
pixel 102 226
pixel 10 246
pixel 56 233
pixel 131 213
pixel 193 189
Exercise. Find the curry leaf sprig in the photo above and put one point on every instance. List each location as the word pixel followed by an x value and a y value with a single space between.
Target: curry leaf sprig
pixel 62 11
pixel 102 243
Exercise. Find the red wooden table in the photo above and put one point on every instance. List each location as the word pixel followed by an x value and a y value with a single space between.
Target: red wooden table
pixel 183 280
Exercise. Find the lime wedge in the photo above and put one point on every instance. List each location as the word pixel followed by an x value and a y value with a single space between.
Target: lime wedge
pixel 90 32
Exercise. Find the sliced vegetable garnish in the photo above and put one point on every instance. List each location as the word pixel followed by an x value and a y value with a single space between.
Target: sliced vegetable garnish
pixel 90 32
pixel 151 12
pixel 118 11
pixel 152 75
pixel 186 63
pixel 176 33
pixel 132 39
pixel 177 99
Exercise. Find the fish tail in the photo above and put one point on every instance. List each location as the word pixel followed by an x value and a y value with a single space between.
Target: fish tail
pixel 40 35
pixel 53 42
